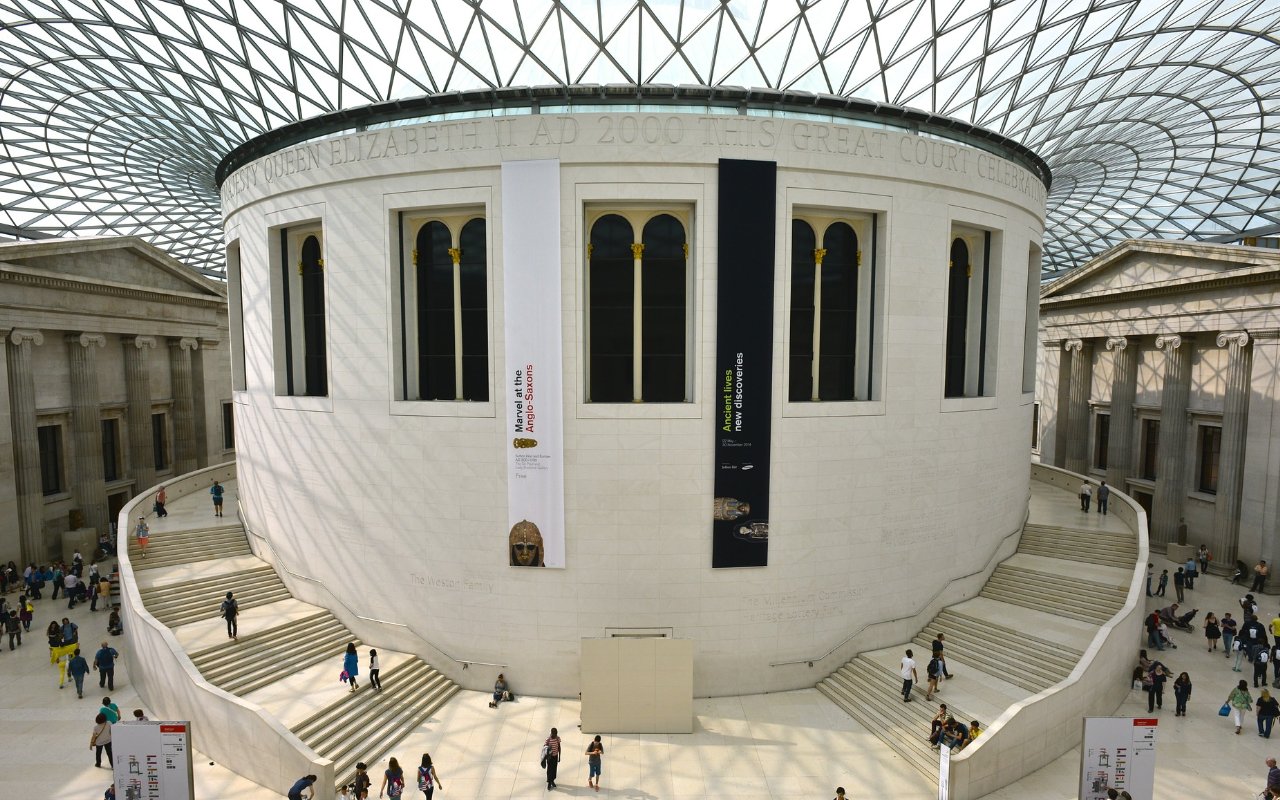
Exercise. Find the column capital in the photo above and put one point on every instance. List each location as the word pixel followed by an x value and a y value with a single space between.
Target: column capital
pixel 185 343
pixel 1239 338
pixel 22 335
pixel 1169 341
pixel 142 342
pixel 87 339
pixel 1073 344
pixel 1117 343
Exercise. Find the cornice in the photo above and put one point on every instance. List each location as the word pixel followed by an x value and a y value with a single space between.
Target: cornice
pixel 87 286
pixel 1244 277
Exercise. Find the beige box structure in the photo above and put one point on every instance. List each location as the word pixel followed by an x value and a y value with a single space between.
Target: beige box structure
pixel 637 685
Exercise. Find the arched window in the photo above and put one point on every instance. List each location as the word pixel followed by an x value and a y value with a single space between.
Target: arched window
pixel 313 319
pixel 444 308
pixel 638 324
pixel 298 309
pixel 664 305
pixel 611 282
pixel 959 273
pixel 972 302
pixel 832 308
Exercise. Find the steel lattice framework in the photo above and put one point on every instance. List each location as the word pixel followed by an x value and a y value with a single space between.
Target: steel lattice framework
pixel 1158 117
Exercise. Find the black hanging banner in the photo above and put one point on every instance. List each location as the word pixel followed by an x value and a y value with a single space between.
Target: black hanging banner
pixel 744 363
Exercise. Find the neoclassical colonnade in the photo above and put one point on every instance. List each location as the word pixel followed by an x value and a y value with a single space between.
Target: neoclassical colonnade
pixel 88 483
pixel 1072 431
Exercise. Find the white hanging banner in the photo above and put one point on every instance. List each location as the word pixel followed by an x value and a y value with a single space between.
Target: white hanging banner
pixel 533 370
pixel 1118 753
pixel 152 760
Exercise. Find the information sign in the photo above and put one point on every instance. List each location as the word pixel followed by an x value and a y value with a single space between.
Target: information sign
pixel 152 760
pixel 1118 753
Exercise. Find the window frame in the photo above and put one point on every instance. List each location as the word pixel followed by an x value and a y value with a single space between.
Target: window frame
pixel 639 215
pixel 58 469
pixel 1202 428
pixel 1100 439
pixel 408 222
pixel 983 242
pixel 162 445
pixel 228 430
pixel 1146 446
pixel 120 474
pixel 288 353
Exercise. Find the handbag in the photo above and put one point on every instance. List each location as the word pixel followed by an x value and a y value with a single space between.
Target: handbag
pixel 1225 711
pixel 546 750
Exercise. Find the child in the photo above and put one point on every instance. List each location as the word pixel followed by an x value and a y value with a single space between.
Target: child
pixel 1164 581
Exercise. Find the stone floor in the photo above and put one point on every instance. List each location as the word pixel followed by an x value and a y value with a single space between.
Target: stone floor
pixel 789 745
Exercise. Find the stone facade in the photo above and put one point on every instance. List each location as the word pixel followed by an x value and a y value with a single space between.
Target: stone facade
pixel 1158 373
pixel 107 341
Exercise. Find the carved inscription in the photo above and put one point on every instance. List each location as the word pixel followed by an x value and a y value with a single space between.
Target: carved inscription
pixel 729 131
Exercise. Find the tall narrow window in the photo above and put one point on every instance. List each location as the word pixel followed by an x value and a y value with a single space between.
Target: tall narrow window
pixel 972 297
pixel 228 426
pixel 160 441
pixel 49 438
pixel 299 308
pixel 1035 426
pixel 638 325
pixel 1210 447
pixel 235 313
pixel 1150 447
pixel 1031 322
pixel 832 286
pixel 111 450
pixel 1101 439
pixel 444 307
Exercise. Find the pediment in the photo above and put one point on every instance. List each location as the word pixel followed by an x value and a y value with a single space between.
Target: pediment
pixel 1139 264
pixel 119 261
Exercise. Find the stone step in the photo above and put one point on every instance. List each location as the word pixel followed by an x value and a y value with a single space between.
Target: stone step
pixel 200 600
pixel 1020 597
pixel 158 559
pixel 1029 673
pixel 1076 541
pixel 1102 558
pixel 1060 655
pixel 1065 583
pixel 233 651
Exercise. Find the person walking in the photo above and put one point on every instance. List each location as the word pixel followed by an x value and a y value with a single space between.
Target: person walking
pixel 1104 494
pixel 595 753
pixel 104 661
pixel 1267 711
pixel 162 497
pixel 1260 658
pixel 392 779
pixel 374 681
pixel 1228 633
pixel 13 627
pixel 1181 694
pixel 1204 557
pixel 1086 494
pixel 1239 701
pixel 307 783
pixel 70 632
pixel 933 671
pixel 230 612
pixel 142 533
pixel 908 673
pixel 1179 583
pixel 1164 582
pixel 111 710
pixel 1212 633
pixel 428 780
pixel 551 757
pixel 78 667
pixel 1192 568
pixel 939 646
pixel 100 740
pixel 1155 688
pixel 351 664
pixel 215 492
pixel 70 588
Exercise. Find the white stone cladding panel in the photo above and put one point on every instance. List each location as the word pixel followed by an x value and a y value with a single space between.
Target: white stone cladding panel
pixel 1208 379
pixel 1150 377
pixel 1103 374
pixel 111 386
pixel 403 514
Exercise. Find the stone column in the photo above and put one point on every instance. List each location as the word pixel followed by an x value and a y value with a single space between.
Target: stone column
pixel 137 380
pixel 184 411
pixel 1078 405
pixel 26 445
pixel 86 428
pixel 1235 419
pixel 1171 490
pixel 1123 391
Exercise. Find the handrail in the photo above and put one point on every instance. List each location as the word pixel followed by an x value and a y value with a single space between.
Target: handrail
pixel 926 604
pixel 466 663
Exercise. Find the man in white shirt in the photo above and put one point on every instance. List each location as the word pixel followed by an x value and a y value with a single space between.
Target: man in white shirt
pixel 908 676
pixel 1086 494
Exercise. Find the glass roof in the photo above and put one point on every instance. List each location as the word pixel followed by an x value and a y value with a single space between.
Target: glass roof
pixel 1158 117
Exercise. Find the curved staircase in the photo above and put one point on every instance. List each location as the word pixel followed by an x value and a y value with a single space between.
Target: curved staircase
pixel 1024 632
pixel 182 582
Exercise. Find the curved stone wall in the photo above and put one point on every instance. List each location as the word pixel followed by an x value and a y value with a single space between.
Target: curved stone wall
pixel 401 506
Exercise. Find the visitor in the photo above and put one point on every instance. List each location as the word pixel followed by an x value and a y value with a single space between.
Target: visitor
pixel 551 757
pixel 939 722
pixel 360 788
pixel 499 691
pixel 111 710
pixel 392 779
pixel 1086 494
pixel 1228 633
pixel 1192 569
pixel 939 646
pixel 1104 494
pixel 115 626
pixel 1241 572
pixel 595 753
pixel 1239 701
pixel 1181 694
pixel 428 780
pixel 1180 583
pixel 230 611
pixel 908 673
pixel 1273 779
pixel 100 740
pixel 305 783
pixel 162 497
pixel 1260 573
pixel 1212 633
pixel 1267 711
pixel 1204 557
pixel 215 492
pixel 1164 582
pixel 104 661
pixel 351 664
pixel 143 534
pixel 78 667
pixel 1155 687
pixel 374 681
pixel 933 671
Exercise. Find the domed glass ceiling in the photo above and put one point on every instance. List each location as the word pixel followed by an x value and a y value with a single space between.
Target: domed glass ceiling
pixel 1157 117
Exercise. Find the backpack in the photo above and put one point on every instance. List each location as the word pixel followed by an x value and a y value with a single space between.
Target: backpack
pixel 396 785
pixel 934 668
pixel 229 609
pixel 424 779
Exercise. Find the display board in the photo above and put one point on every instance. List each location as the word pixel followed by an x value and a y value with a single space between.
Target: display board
pixel 744 363
pixel 152 760
pixel 1118 753
pixel 534 412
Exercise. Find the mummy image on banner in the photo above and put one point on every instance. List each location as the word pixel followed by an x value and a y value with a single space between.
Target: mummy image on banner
pixel 533 370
